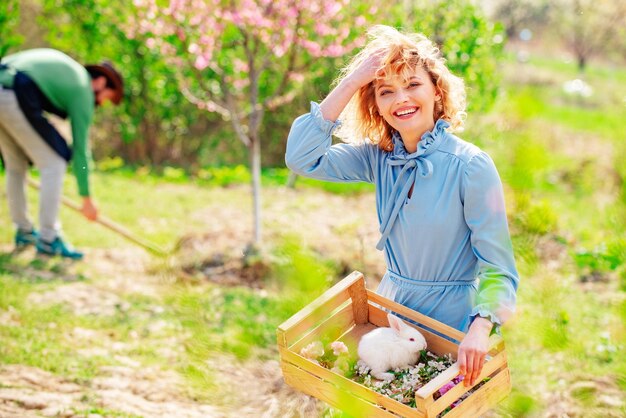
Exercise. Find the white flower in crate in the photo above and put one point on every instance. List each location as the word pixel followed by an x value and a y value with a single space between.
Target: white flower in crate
pixel 339 348
pixel 313 350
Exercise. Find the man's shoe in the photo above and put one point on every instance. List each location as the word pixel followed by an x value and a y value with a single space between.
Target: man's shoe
pixel 25 238
pixel 58 247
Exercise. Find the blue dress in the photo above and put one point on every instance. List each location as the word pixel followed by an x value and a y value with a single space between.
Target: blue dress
pixel 447 246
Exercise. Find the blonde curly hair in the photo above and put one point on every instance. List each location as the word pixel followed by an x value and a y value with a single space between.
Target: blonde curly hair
pixel 405 53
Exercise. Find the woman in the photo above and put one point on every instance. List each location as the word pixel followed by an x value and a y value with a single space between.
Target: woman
pixel 439 199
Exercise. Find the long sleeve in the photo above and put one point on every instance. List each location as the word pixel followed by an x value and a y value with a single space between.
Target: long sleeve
pixel 310 152
pixel 485 215
pixel 81 113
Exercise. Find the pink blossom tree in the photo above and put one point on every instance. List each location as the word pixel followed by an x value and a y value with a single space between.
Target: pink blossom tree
pixel 242 58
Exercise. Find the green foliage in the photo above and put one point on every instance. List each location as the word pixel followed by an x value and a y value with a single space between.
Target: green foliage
pixel 556 334
pixel 9 19
pixel 604 257
pixel 470 43
pixel 520 404
pixel 296 268
pixel 224 175
pixel 529 164
pixel 154 122
pixel 535 217
pixel 110 163
pixel 236 321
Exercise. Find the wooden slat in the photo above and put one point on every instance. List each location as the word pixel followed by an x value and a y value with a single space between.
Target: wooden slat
pixel 489 368
pixel 309 316
pixel 480 401
pixel 347 386
pixel 435 384
pixel 331 329
pixel 358 294
pixel 436 343
pixel 313 386
pixel 416 316
pixel 318 312
pixel 426 391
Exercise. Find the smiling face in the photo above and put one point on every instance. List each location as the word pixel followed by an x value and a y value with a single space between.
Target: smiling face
pixel 407 105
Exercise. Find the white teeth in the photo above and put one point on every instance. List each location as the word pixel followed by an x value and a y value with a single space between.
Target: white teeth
pixel 406 112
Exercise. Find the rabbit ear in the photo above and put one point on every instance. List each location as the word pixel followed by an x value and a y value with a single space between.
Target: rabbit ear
pixel 395 323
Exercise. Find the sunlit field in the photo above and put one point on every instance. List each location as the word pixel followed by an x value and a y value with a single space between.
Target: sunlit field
pixel 124 333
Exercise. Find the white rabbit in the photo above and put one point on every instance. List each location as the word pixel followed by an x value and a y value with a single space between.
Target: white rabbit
pixel 392 347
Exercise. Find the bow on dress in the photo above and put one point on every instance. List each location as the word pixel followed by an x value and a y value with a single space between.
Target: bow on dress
pixel 412 165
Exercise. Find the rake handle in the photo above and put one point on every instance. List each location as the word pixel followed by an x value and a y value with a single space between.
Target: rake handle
pixel 108 223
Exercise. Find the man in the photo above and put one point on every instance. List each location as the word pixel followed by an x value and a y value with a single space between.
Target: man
pixel 45 80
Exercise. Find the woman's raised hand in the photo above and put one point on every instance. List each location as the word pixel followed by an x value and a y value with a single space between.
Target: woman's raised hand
pixel 366 72
pixel 332 106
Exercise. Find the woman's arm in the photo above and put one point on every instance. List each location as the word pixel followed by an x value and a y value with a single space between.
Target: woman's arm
pixel 310 152
pixel 332 106
pixel 309 147
pixel 485 214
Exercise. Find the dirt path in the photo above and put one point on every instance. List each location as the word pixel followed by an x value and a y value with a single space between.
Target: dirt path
pixel 126 386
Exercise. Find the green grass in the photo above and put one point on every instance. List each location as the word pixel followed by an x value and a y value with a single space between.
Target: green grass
pixel 241 321
pixel 35 335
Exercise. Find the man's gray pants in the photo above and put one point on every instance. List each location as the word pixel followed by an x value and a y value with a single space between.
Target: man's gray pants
pixel 19 143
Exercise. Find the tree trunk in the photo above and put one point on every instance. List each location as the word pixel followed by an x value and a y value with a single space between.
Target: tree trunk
pixel 291 180
pixel 582 63
pixel 255 166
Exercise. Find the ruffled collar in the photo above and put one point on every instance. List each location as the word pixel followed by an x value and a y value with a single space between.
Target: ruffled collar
pixel 429 142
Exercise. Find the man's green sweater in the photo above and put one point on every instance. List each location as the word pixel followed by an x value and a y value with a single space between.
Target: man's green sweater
pixel 67 85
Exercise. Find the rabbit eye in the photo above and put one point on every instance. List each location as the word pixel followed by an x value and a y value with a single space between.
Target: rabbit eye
pixel 411 339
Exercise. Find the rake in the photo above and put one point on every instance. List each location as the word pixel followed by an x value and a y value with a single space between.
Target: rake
pixel 111 225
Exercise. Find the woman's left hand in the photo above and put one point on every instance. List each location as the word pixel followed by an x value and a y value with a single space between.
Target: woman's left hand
pixel 473 350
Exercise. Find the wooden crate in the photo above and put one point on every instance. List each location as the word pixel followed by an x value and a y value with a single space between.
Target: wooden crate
pixel 347 311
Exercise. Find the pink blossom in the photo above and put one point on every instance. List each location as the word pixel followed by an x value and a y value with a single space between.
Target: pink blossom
pixel 313 47
pixel 360 21
pixel 201 62
pixel 240 66
pixel 334 50
pixel 292 12
pixel 332 8
pixel 195 19
pixel 269 24
pixel 445 388
pixel 279 50
pixel 323 29
pixel 241 83
pixel 193 48
pixel 236 18
pixel 297 77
